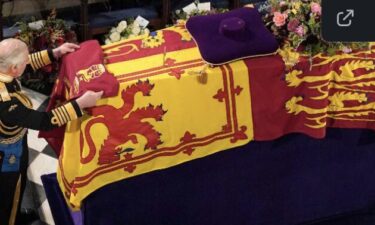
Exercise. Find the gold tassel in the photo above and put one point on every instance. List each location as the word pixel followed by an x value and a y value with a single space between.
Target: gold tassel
pixel 202 78
pixel 202 74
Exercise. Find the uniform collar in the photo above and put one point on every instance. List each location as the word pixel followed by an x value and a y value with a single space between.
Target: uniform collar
pixel 6 78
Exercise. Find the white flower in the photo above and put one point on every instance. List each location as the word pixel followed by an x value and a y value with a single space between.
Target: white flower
pixel 178 11
pixel 37 25
pixel 121 26
pixel 112 30
pixel 146 31
pixel 115 36
pixel 107 41
pixel 136 30
pixel 135 23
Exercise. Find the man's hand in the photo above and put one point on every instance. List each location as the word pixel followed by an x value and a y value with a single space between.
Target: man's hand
pixel 88 99
pixel 63 49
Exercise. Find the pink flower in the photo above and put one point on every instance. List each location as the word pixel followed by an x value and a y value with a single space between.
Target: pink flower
pixel 346 50
pixel 316 8
pixel 300 31
pixel 279 19
pixel 292 25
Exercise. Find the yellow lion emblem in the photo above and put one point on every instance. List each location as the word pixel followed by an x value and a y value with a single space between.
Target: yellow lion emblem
pixel 87 75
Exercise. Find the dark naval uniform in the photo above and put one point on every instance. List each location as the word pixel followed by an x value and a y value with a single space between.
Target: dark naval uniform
pixel 16 115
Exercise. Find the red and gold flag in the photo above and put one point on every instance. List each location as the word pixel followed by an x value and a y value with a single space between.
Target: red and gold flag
pixel 328 91
pixel 171 108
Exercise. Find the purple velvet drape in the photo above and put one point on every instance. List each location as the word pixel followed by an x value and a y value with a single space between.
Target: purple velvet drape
pixel 291 180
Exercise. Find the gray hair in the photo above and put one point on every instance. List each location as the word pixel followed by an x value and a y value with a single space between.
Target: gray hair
pixel 11 51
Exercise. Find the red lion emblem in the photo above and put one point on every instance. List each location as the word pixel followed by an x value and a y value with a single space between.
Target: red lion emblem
pixel 122 124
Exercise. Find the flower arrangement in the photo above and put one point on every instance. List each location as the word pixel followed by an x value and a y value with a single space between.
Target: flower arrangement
pixel 41 35
pixel 182 15
pixel 124 30
pixel 296 25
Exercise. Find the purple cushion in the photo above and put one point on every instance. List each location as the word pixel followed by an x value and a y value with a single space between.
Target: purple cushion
pixel 237 34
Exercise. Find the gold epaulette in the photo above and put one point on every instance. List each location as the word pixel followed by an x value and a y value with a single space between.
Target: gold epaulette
pixel 39 59
pixel 4 95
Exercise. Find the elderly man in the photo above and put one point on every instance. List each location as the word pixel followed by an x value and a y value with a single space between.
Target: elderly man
pixel 16 115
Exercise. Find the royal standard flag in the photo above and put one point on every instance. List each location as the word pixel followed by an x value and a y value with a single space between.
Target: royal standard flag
pixel 171 108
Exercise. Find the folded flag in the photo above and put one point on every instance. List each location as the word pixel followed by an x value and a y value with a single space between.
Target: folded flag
pixel 80 71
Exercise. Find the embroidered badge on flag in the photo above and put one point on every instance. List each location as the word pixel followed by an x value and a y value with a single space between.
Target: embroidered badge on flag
pixel 85 69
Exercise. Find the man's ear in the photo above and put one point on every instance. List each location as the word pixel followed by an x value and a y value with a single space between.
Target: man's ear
pixel 13 69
